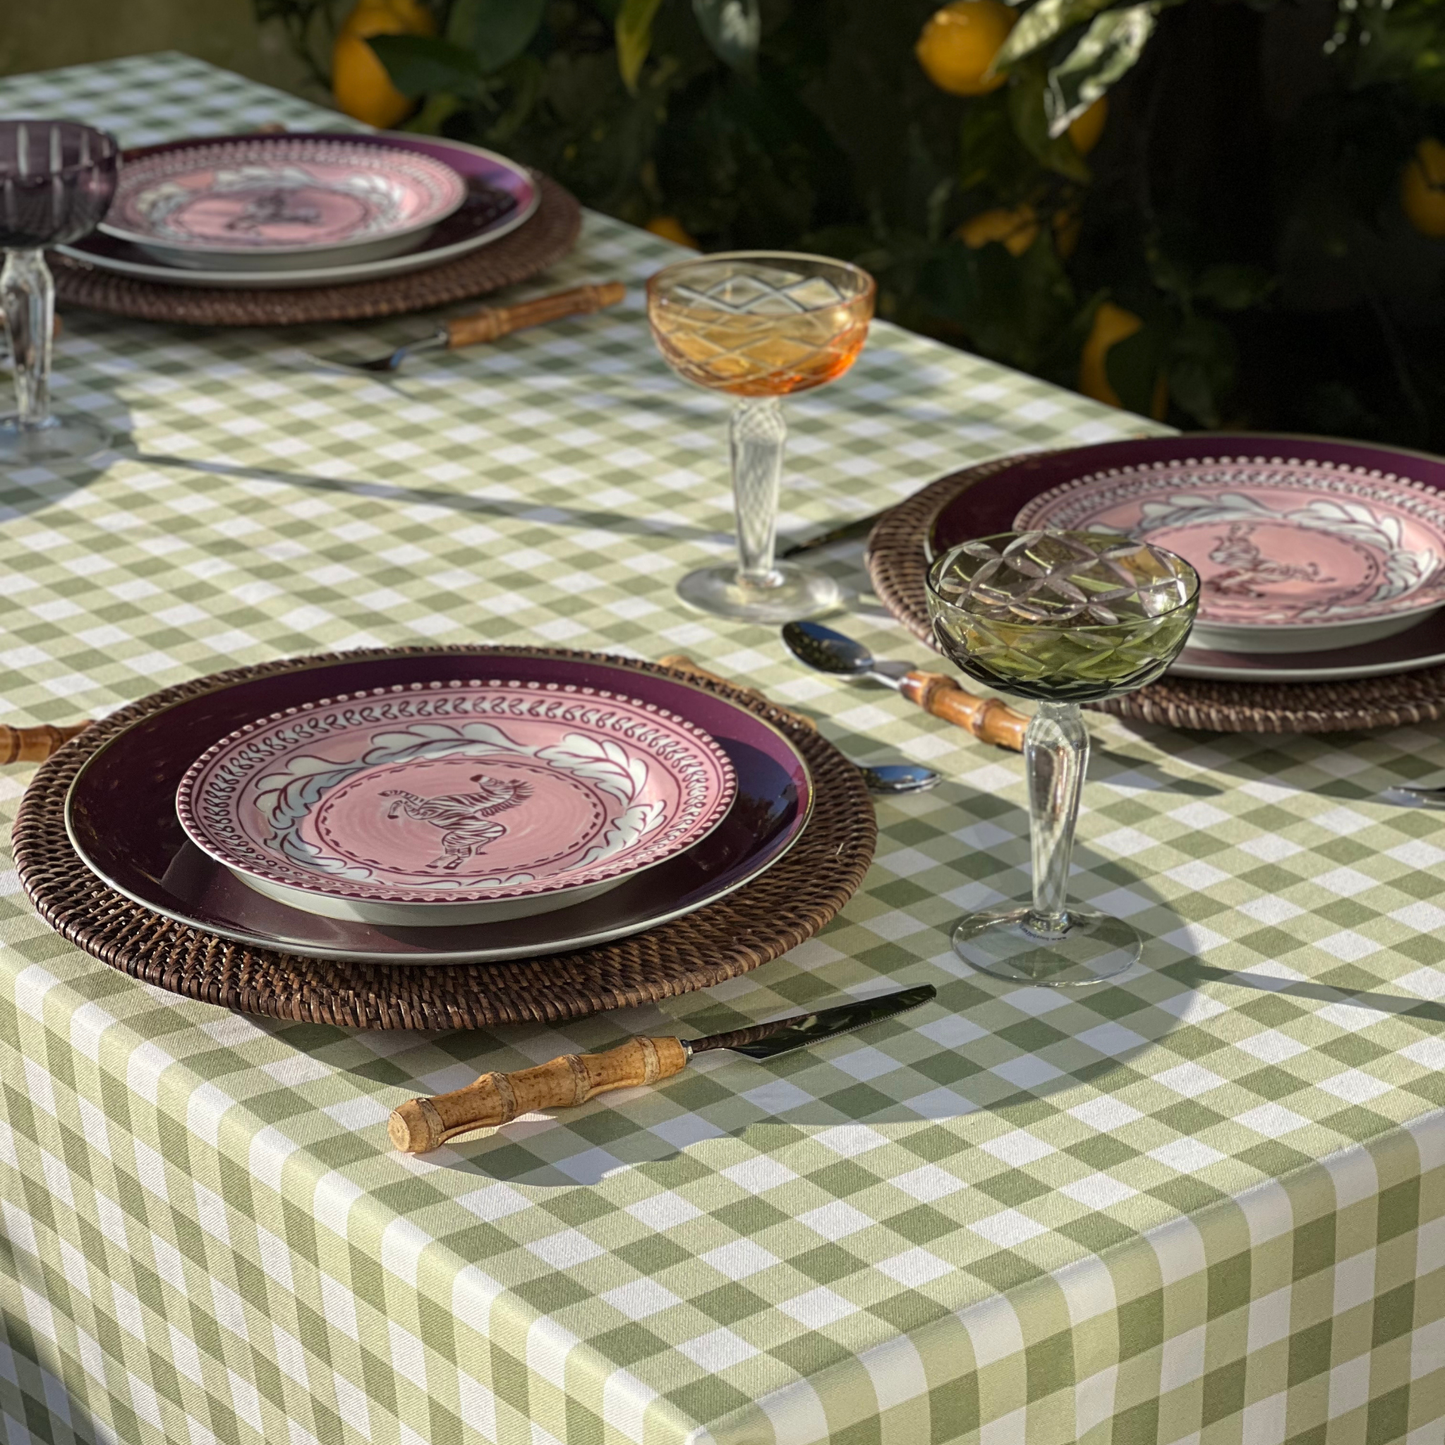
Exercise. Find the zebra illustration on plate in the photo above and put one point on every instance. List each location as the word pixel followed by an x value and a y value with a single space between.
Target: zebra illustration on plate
pixel 464 818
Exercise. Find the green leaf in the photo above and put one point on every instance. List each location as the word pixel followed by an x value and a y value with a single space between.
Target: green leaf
pixel 421 63
pixel 1027 100
pixel 1133 366
pixel 496 32
pixel 634 38
pixel 989 150
pixel 1202 363
pixel 1169 273
pixel 1110 46
pixel 1012 308
pixel 733 28
pixel 1233 288
pixel 1040 24
pixel 524 79
pixel 440 106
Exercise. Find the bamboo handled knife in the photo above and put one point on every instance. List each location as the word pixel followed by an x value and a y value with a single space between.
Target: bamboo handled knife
pixel 34 744
pixel 422 1124
pixel 492 323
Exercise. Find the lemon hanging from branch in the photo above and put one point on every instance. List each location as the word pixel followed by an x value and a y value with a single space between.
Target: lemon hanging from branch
pixel 1422 188
pixel 671 229
pixel 1113 324
pixel 1085 129
pixel 1013 227
pixel 958 44
pixel 359 82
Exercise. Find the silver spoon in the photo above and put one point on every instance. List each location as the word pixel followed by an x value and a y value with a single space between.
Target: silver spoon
pixel 898 777
pixel 825 650
pixel 828 651
pixel 836 653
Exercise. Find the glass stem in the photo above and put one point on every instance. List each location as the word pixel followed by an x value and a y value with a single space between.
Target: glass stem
pixel 756 437
pixel 27 295
pixel 1056 753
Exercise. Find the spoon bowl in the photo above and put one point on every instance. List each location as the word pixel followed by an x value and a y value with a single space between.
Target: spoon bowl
pixel 898 777
pixel 825 650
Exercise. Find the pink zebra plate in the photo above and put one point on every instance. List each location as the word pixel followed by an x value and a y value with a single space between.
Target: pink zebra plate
pixel 265 202
pixel 454 803
pixel 1294 554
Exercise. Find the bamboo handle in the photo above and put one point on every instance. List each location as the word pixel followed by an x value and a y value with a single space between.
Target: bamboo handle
pixel 494 322
pixel 680 662
pixel 34 745
pixel 985 717
pixel 422 1124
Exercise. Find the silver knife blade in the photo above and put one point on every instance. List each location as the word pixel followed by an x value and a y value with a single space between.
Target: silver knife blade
pixel 1411 795
pixel 762 1041
pixel 844 532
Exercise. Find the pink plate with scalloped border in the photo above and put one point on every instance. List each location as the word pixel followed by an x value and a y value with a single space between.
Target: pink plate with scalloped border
pixel 266 202
pixel 1295 554
pixel 454 803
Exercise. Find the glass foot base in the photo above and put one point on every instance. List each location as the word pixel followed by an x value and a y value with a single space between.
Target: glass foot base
pixel 799 594
pixel 61 439
pixel 1095 947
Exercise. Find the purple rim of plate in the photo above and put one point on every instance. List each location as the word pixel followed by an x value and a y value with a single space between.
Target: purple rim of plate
pixel 500 196
pixel 121 818
pixel 397 732
pixel 1421 645
pixel 990 506
pixel 1410 512
pixel 433 189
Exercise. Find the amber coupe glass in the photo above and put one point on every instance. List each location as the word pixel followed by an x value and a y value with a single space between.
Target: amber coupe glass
pixel 760 325
pixel 1064 618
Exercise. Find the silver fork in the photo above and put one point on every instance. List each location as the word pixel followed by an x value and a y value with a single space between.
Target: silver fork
pixel 493 322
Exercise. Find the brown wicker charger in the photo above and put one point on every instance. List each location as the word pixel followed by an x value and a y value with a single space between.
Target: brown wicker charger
pixel 789 903
pixel 898 565
pixel 547 236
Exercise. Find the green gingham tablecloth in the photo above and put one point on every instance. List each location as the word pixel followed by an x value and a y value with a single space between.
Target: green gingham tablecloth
pixel 1205 1203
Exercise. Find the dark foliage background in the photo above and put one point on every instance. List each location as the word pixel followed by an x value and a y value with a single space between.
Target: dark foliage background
pixel 1244 203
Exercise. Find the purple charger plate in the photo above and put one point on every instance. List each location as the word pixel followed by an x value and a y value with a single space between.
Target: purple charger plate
pixel 121 817
pixel 990 506
pixel 501 195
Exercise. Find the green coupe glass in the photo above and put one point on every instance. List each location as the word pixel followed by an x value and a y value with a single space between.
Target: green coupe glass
pixel 1064 618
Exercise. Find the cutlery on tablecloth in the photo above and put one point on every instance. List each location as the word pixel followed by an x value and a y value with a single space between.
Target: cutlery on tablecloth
pixel 1414 795
pixel 825 650
pixel 898 777
pixel 877 777
pixel 35 744
pixel 496 1098
pixel 491 323
pixel 844 532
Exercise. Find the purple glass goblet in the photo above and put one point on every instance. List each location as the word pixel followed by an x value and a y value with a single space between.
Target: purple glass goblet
pixel 56 182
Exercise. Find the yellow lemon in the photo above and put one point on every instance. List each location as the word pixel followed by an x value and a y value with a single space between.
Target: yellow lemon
pixel 1015 226
pixel 1422 188
pixel 1085 129
pixel 359 82
pixel 1113 324
pixel 671 229
pixel 1066 225
pixel 958 44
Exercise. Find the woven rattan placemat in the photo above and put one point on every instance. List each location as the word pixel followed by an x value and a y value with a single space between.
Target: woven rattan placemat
pixel 898 566
pixel 796 897
pixel 543 240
